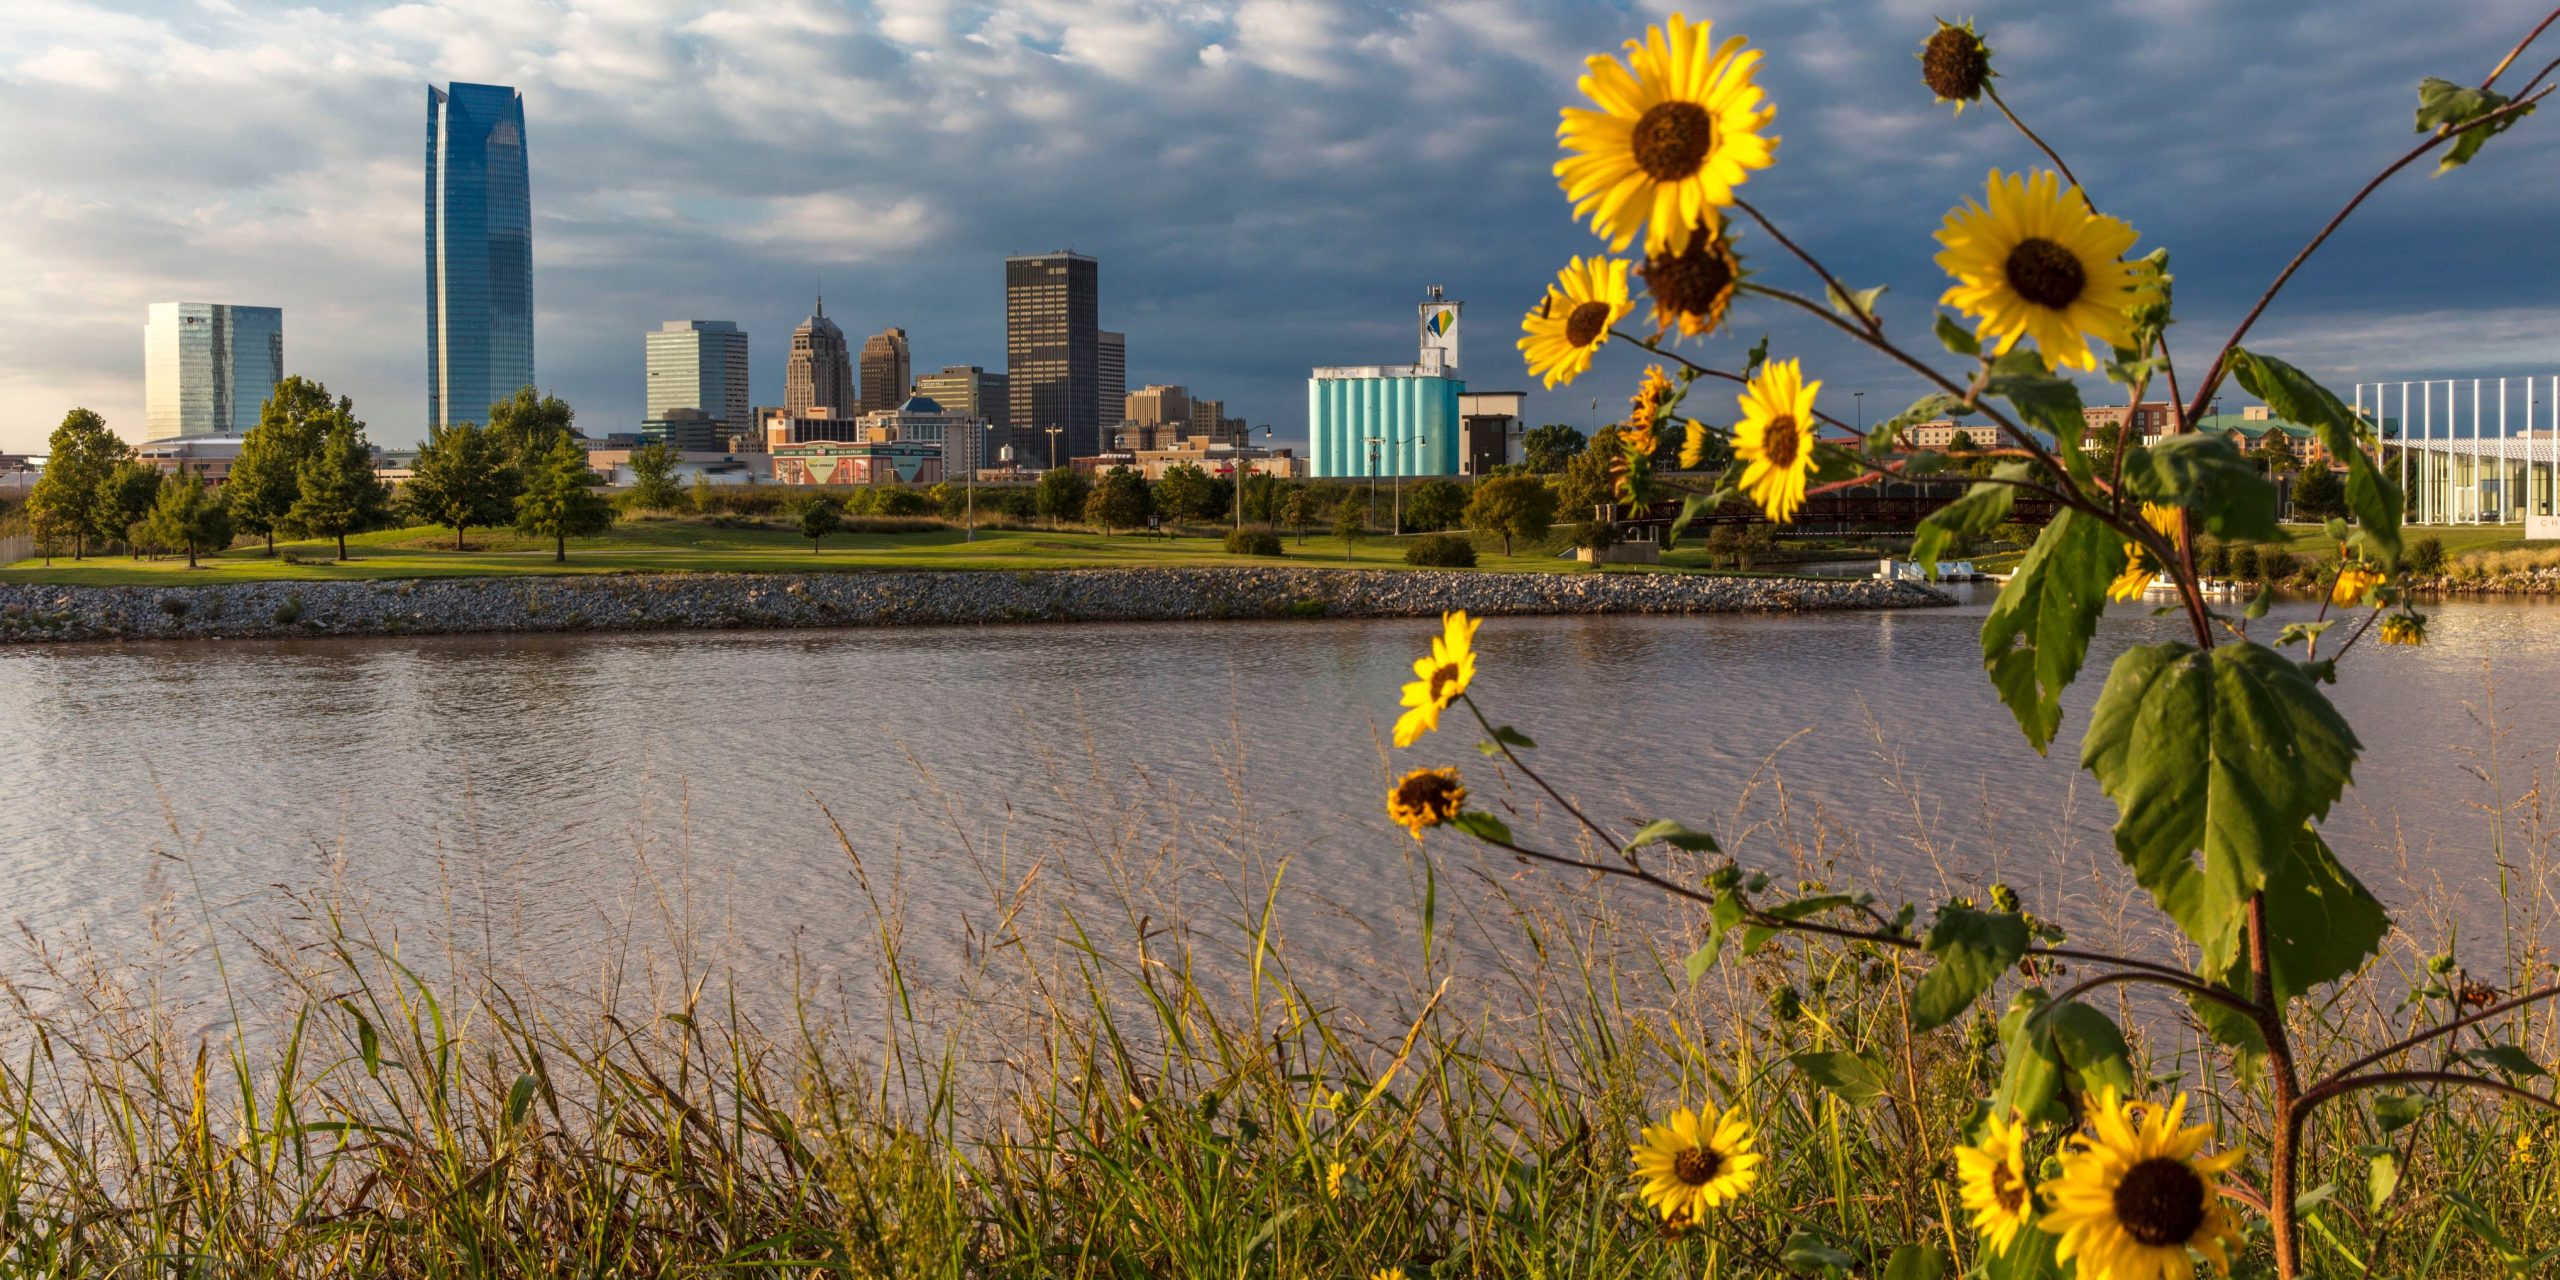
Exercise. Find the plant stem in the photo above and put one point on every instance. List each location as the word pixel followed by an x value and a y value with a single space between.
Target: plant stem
pixel 2285 1160
pixel 1992 91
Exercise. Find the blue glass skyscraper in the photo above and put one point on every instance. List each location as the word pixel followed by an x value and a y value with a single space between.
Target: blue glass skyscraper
pixel 479 252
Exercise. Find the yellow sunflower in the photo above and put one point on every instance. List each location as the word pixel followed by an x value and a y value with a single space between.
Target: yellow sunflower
pixel 1558 335
pixel 1679 127
pixel 1425 798
pixel 1387 1273
pixel 1992 1178
pixel 1775 436
pixel 2035 261
pixel 2404 628
pixel 2353 582
pixel 1644 409
pixel 1692 287
pixel 2139 565
pixel 2135 1196
pixel 1443 676
pixel 1694 445
pixel 1695 1161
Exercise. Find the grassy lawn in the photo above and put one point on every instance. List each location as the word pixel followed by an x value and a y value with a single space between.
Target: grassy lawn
pixel 686 546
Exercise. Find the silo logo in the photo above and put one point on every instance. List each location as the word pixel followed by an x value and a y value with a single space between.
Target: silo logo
pixel 1442 323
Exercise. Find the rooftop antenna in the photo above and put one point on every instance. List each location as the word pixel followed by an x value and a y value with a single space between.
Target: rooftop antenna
pixel 822 296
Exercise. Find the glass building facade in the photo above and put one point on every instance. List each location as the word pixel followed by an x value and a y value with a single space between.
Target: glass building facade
pixel 699 364
pixel 1053 354
pixel 208 368
pixel 1382 420
pixel 479 252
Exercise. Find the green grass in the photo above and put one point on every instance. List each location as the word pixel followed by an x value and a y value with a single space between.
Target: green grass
pixel 691 546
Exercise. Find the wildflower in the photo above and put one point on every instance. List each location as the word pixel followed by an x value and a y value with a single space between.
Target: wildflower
pixel 1558 336
pixel 1644 410
pixel 2354 581
pixel 1992 1179
pixel 1387 1273
pixel 2035 261
pixel 2522 1156
pixel 1692 287
pixel 1443 676
pixel 1693 449
pixel 2140 567
pixel 2135 1196
pixel 1425 798
pixel 1775 436
pixel 1333 1172
pixel 1956 64
pixel 1695 1161
pixel 2404 628
pixel 1679 127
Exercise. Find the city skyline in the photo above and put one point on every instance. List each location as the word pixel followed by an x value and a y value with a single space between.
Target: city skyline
pixel 1310 208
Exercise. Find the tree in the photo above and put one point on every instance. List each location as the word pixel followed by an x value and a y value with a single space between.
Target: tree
pixel 1120 500
pixel 1960 442
pixel 187 514
pixel 1186 493
pixel 1261 494
pixel 1299 510
pixel 1063 492
pixel 462 478
pixel 528 425
pixel 1546 449
pixel 1435 505
pixel 1347 525
pixel 1512 507
pixel 653 477
pixel 340 494
pixel 79 456
pixel 2275 451
pixel 124 500
pixel 560 501
pixel 1586 482
pixel 2318 494
pixel 820 516
pixel 266 480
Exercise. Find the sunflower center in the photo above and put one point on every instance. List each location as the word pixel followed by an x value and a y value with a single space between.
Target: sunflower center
pixel 2045 273
pixel 1781 440
pixel 1425 793
pixel 2160 1202
pixel 1954 65
pixel 1441 677
pixel 1672 140
pixel 2007 1190
pixel 1586 324
pixel 1694 281
pixel 1696 1166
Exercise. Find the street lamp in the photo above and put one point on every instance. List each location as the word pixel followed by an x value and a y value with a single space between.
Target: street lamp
pixel 1861 398
pixel 1374 442
pixel 1420 442
pixel 969 485
pixel 1053 465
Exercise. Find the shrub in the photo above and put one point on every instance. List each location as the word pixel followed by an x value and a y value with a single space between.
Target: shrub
pixel 2426 555
pixel 1738 544
pixel 1252 542
pixel 2277 566
pixel 2213 558
pixel 1441 551
pixel 289 612
pixel 2244 562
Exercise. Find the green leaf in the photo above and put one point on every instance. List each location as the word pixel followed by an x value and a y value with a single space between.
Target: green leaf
pixel 1483 826
pixel 2030 1256
pixel 2048 1047
pixel 1833 464
pixel 1916 1262
pixel 1846 1075
pixel 1860 305
pixel 1703 959
pixel 1759 355
pixel 368 1044
pixel 2038 630
pixel 1973 949
pixel 2505 1058
pixel 519 1100
pixel 2206 475
pixel 1982 506
pixel 2228 753
pixel 1807 1253
pixel 1956 338
pixel 1671 833
pixel 2292 394
pixel 1513 737
pixel 2442 104
pixel 2044 401
pixel 2393 1112
pixel 2382 1178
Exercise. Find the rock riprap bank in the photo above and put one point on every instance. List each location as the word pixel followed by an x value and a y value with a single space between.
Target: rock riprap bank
pixel 662 602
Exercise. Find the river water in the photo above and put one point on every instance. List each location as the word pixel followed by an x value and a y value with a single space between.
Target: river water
pixel 540 797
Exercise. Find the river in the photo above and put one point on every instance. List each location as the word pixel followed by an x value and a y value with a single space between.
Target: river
pixel 541 798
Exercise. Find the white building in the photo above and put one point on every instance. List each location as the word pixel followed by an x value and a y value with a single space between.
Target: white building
pixel 2472 450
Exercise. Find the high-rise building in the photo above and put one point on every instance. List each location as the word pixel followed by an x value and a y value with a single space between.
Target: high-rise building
pixel 208 368
pixel 479 251
pixel 1111 372
pixel 699 364
pixel 1052 344
pixel 966 388
pixel 820 375
pixel 885 380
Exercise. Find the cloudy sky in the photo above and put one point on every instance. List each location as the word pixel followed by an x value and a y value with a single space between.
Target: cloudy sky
pixel 1268 183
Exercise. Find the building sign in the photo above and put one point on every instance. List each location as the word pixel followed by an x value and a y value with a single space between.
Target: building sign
pixel 1439 335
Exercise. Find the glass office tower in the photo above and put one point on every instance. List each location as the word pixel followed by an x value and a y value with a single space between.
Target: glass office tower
pixel 1053 353
pixel 479 252
pixel 207 368
pixel 699 364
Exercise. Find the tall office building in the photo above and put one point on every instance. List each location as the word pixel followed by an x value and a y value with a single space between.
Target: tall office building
pixel 479 251
pixel 208 368
pixel 968 389
pixel 1111 373
pixel 884 370
pixel 1052 345
pixel 699 364
pixel 820 375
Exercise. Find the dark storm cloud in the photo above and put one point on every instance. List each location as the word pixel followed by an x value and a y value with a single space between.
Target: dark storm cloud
pixel 1269 183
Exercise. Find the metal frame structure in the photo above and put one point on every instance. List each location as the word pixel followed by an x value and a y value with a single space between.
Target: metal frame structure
pixel 2502 467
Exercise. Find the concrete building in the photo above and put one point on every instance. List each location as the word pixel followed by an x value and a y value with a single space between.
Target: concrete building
pixel 1490 430
pixel 1392 420
pixel 690 431
pixel 886 383
pixel 852 462
pixel 715 467
pixel 785 426
pixel 1942 432
pixel 1111 373
pixel 1218 457
pixel 2151 419
pixel 820 375
pixel 699 364
pixel 479 213
pixel 208 367
pixel 1053 354
pixel 988 397
pixel 209 456
pixel 966 441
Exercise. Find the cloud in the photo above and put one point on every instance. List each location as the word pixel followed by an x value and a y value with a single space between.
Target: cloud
pixel 1269 183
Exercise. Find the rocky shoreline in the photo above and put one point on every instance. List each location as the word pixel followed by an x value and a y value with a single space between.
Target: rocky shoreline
pixel 712 601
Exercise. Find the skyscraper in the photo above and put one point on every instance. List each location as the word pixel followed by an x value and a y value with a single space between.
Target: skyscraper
pixel 699 364
pixel 820 375
pixel 207 368
pixel 1111 374
pixel 966 388
pixel 884 370
pixel 479 251
pixel 1052 344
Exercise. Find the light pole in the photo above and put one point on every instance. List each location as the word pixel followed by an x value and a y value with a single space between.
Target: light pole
pixel 1861 398
pixel 1374 442
pixel 969 485
pixel 1053 465
pixel 1419 442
